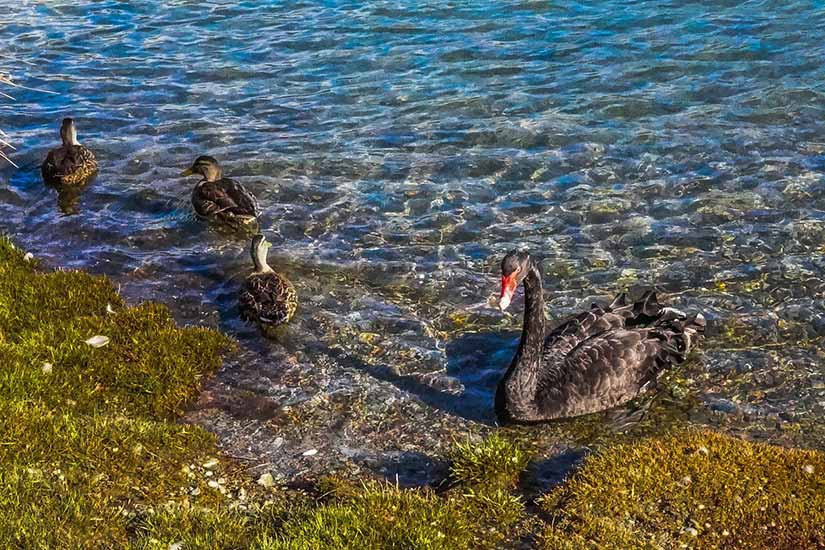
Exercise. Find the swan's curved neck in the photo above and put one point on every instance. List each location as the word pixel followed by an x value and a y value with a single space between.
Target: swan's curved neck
pixel 518 387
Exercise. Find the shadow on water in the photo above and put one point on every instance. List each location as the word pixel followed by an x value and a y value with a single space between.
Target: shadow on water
pixel 541 476
pixel 410 469
pixel 475 361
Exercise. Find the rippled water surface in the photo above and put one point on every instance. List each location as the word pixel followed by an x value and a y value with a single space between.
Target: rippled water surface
pixel 398 150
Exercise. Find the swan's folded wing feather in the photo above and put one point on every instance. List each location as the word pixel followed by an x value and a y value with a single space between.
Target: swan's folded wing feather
pixel 570 333
pixel 602 371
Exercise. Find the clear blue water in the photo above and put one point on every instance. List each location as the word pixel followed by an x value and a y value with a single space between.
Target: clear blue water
pixel 398 150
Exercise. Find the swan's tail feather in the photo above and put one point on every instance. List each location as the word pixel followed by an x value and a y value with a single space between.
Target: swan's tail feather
pixel 648 305
pixel 677 336
pixel 619 302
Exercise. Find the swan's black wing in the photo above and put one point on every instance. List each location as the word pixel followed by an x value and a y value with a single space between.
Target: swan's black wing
pixel 225 199
pixel 601 372
pixel 567 335
pixel 605 357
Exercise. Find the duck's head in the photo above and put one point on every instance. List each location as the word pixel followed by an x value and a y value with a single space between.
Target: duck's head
pixel 259 249
pixel 514 268
pixel 206 166
pixel 68 132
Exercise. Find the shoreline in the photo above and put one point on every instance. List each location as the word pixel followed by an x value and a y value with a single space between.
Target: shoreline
pixel 97 429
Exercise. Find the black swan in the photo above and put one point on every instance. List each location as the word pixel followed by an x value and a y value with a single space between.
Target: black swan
pixel 593 361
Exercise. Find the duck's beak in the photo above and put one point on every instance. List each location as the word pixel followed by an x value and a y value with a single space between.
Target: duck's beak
pixel 509 283
pixel 187 172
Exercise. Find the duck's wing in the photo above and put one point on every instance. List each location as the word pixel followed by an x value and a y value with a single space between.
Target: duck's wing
pixel 70 165
pixel 246 203
pixel 49 167
pixel 612 367
pixel 224 198
pixel 268 298
pixel 76 158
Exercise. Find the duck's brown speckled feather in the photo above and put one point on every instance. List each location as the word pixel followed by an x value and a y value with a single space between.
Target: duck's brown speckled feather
pixel 268 299
pixel 73 165
pixel 225 200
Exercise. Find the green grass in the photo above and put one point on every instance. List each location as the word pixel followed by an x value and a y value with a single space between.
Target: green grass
pixel 694 488
pixel 86 437
pixel 379 515
pixel 496 462
pixel 91 456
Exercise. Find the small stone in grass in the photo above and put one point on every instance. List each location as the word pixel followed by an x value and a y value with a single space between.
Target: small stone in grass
pixel 28 256
pixel 266 480
pixel 692 532
pixel 97 341
pixel 214 484
pixel 809 469
pixel 47 367
pixel 211 463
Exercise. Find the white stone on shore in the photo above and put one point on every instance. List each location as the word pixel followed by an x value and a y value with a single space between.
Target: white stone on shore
pixel 266 480
pixel 311 452
pixel 211 463
pixel 97 341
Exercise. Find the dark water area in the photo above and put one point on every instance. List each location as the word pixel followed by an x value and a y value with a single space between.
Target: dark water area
pixel 398 150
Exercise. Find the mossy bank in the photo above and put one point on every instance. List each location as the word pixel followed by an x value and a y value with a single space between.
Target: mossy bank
pixel 92 455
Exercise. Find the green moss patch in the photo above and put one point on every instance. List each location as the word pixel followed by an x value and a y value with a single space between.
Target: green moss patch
pixel 86 442
pixel 380 515
pixel 693 489
pixel 496 462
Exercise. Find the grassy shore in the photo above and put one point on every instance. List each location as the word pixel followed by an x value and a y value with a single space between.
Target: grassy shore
pixel 92 455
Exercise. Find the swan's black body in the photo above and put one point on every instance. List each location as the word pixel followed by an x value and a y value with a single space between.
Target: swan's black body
pixel 596 360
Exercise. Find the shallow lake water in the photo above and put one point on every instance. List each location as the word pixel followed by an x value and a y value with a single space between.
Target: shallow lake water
pixel 398 150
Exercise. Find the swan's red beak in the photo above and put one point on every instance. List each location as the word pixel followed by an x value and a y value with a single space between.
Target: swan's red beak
pixel 508 288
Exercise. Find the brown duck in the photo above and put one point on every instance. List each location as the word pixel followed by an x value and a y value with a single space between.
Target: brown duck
pixel 267 297
pixel 593 361
pixel 71 164
pixel 219 199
